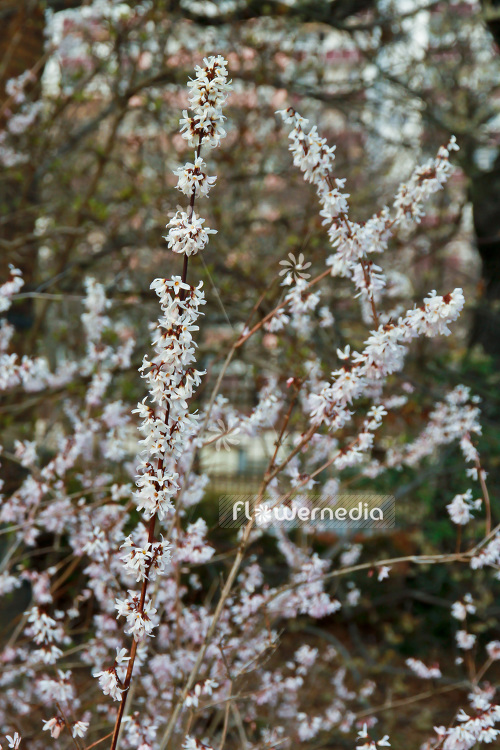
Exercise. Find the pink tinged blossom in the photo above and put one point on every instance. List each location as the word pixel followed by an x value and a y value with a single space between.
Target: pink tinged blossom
pixel 493 649
pixel 351 555
pixel 209 686
pixel 311 153
pixel 309 726
pixel 44 629
pixel 60 689
pixel 468 449
pixel 191 546
pixel 465 640
pixel 22 121
pixel 305 657
pixel 193 697
pixel 422 671
pixel 108 682
pixel 54 726
pixel 95 303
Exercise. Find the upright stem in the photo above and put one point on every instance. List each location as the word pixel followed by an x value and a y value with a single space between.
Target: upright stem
pixel 151 528
pixel 486 496
pixel 133 649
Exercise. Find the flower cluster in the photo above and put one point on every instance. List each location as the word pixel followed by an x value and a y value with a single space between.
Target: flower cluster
pixel 461 507
pixel 192 178
pixel 383 355
pixel 488 555
pixel 47 633
pixel 471 729
pixel 186 233
pixel 140 616
pixel 171 379
pixel 109 683
pixel 207 95
pixel 425 180
pixel 422 671
pixel 10 287
pixel 463 607
pixel 369 743
pixel 353 242
pixel 145 561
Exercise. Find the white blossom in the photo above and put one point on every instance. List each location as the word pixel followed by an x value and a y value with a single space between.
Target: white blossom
pixel 465 640
pixel 108 682
pixel 186 233
pixel 54 726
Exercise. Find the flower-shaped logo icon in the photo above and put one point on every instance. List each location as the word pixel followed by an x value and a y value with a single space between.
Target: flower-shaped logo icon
pixel 295 267
pixel 263 514
pixel 224 436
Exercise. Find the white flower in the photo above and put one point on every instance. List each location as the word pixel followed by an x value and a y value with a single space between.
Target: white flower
pixel 353 597
pixel 191 744
pixel 209 686
pixel 383 572
pixel 187 234
pixel 465 640
pixel 295 267
pixel 108 682
pixel 351 555
pixel 14 741
pixel 263 514
pixel 208 93
pixel 420 669
pixel 344 353
pixel 121 657
pixel 145 562
pixel 225 437
pixel 192 176
pixel 460 609
pixel 54 726
pixel 459 737
pixel 370 744
pixel 193 697
pixel 80 728
pixel 493 649
pixel 10 288
pixel 461 507
pixel 141 623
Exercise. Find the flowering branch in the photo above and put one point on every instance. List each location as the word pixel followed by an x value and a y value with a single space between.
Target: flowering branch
pixel 170 376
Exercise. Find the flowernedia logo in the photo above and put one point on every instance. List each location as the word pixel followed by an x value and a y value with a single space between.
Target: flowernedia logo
pixel 309 511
